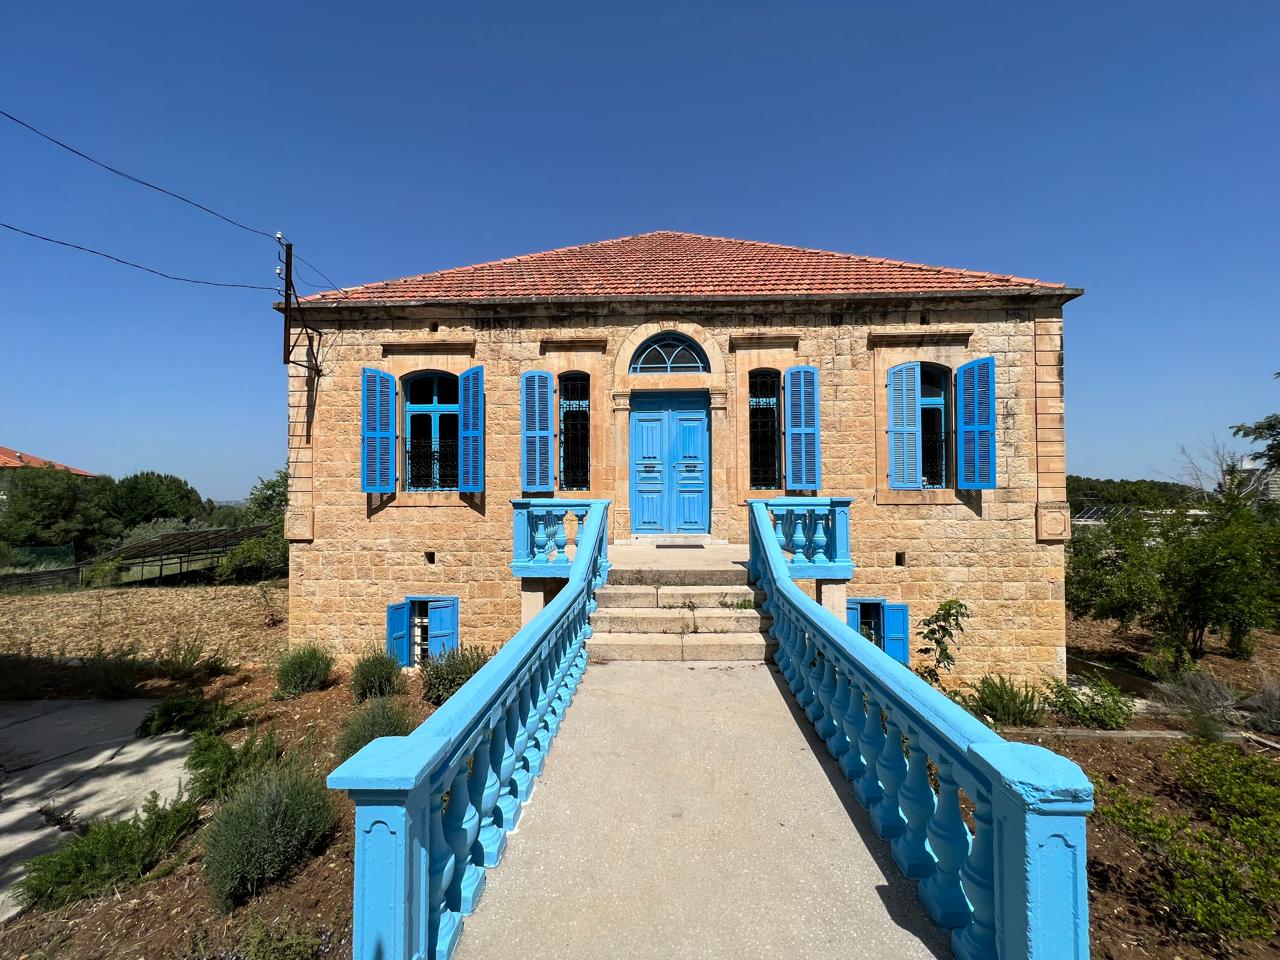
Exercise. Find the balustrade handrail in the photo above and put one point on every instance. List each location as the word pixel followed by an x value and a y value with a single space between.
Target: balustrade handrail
pixel 419 867
pixel 1009 894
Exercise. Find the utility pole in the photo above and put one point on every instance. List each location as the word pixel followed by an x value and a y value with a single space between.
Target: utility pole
pixel 288 295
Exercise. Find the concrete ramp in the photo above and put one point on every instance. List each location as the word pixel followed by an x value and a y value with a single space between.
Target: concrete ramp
pixel 684 812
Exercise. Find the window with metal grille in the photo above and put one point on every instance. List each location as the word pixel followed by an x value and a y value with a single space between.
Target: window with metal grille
pixel 431 431
pixel 575 431
pixel 764 392
pixel 934 383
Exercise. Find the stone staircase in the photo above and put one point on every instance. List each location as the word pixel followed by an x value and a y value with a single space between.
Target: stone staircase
pixel 679 614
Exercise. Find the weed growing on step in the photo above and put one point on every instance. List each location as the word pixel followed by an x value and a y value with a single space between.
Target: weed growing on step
pixel 107 854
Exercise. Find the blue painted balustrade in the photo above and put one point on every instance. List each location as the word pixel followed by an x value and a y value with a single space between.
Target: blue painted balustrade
pixel 545 535
pixel 1012 887
pixel 433 809
pixel 814 534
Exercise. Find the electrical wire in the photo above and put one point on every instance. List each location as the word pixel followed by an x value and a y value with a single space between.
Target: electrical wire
pixel 169 193
pixel 130 263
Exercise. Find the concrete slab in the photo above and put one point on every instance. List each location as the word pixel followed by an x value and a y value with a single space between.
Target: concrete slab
pixel 635 646
pixel 686 813
pixel 79 757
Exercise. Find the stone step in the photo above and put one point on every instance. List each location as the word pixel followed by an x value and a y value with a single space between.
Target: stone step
pixel 615 596
pixel 692 646
pixel 697 620
pixel 736 597
pixel 716 576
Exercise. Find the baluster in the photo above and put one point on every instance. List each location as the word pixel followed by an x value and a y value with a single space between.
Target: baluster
pixel 797 537
pixel 813 705
pixel 917 801
pixel 891 767
pixel 542 734
pixel 780 631
pixel 561 538
pixel 837 742
pixel 808 651
pixel 461 825
pixel 868 789
pixel 949 840
pixel 443 924
pixel 484 789
pixel 779 520
pixel 579 521
pixel 824 723
pixel 855 719
pixel 524 713
pixel 540 537
pixel 509 798
pixel 558 658
pixel 977 941
pixel 820 539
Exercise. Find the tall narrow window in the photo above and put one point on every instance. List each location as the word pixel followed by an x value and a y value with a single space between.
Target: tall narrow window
pixel 764 392
pixel 934 381
pixel 575 431
pixel 431 432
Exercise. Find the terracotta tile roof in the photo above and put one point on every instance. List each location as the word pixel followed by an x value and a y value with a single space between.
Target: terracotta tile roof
pixel 10 457
pixel 680 265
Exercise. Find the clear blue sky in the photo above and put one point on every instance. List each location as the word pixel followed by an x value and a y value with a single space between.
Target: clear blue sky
pixel 1129 148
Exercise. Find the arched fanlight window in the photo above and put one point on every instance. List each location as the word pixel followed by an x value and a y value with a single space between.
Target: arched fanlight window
pixel 669 353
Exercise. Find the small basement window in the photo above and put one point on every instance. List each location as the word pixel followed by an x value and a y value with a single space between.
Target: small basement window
pixel 884 624
pixel 421 627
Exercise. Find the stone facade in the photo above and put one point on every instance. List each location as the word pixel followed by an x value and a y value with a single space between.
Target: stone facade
pixel 1000 551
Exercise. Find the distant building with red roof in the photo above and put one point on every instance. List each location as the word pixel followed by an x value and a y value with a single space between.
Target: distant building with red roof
pixel 12 459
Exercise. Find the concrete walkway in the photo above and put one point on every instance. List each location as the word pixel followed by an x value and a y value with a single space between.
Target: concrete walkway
pixel 686 812
pixel 77 757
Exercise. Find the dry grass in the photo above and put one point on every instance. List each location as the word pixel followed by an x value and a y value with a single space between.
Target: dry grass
pixel 229 620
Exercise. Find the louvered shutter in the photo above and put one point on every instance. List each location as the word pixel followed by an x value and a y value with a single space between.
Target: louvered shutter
pixel 804 441
pixel 377 431
pixel 853 614
pixel 896 630
pixel 442 625
pixel 904 427
pixel 535 432
pixel 398 632
pixel 471 430
pixel 976 425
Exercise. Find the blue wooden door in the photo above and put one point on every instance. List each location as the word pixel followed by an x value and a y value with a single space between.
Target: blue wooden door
pixel 670 454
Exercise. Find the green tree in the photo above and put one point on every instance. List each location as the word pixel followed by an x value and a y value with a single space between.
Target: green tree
pixel 1153 494
pixel 268 499
pixel 1110 573
pixel 266 556
pixel 1265 431
pixel 148 495
pixel 50 507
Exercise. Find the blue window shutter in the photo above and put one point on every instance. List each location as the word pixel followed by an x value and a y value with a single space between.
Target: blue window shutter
pixel 471 430
pixel 535 432
pixel 804 440
pixel 896 631
pixel 377 431
pixel 398 632
pixel 904 427
pixel 976 425
pixel 853 613
pixel 442 625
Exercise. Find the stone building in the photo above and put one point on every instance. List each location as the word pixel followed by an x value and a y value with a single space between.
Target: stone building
pixel 679 376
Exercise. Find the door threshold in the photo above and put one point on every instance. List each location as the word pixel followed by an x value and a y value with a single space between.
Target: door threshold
pixel 669 540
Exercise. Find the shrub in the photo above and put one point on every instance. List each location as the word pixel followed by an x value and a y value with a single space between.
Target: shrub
pixel 1216 878
pixel 285 939
pixel 375 674
pixel 443 676
pixel 303 669
pixel 108 854
pixel 217 767
pixel 274 819
pixel 1205 703
pixel 251 561
pixel 1001 701
pixel 1100 705
pixel 938 632
pixel 113 676
pixel 1265 707
pixel 189 713
pixel 188 660
pixel 379 718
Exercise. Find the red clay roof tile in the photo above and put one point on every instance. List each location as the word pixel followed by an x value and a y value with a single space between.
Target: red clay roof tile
pixel 670 264
pixel 10 457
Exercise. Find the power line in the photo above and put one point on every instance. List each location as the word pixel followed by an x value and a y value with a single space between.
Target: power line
pixel 137 180
pixel 130 263
pixel 169 193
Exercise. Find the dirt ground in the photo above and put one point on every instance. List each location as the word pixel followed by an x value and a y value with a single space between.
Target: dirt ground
pixel 1100 641
pixel 245 625
pixel 165 917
